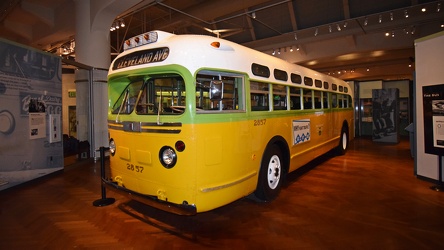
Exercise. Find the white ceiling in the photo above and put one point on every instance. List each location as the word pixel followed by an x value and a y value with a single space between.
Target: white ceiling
pixel 341 37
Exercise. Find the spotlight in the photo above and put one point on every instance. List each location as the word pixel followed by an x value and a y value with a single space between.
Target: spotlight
pixel 316 32
pixel 338 27
pixel 345 24
pixel 291 49
pixel 295 36
pixel 438 7
pixel 423 9
pixel 406 14
pixel 279 51
pixel 391 16
pixel 122 23
pixel 329 28
pixel 380 18
pixel 365 21
pixel 253 15
pixel 274 52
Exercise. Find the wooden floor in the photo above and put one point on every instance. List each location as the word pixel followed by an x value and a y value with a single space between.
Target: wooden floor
pixel 367 199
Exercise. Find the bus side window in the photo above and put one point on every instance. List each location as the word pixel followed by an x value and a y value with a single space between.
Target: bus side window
pixel 318 99
pixel 340 101
pixel 279 97
pixel 259 96
pixel 295 98
pixel 334 100
pixel 308 99
pixel 232 94
pixel 325 100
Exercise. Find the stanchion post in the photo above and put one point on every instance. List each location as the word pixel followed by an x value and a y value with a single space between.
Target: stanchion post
pixel 103 201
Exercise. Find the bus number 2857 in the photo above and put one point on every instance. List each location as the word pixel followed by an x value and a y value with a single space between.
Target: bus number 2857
pixel 135 168
pixel 260 122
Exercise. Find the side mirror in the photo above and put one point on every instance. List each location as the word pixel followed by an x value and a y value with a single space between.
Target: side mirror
pixel 216 90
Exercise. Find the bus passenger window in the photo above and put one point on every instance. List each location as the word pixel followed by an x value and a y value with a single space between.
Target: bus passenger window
pixel 232 94
pixel 259 96
pixel 318 99
pixel 325 100
pixel 340 101
pixel 295 98
pixel 308 99
pixel 279 97
pixel 334 100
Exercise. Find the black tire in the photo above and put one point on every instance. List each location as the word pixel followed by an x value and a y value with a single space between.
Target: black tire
pixel 271 174
pixel 343 142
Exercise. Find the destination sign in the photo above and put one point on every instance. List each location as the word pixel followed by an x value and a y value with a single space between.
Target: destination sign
pixel 141 57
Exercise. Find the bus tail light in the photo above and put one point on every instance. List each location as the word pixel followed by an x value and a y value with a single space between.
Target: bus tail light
pixel 112 147
pixel 167 157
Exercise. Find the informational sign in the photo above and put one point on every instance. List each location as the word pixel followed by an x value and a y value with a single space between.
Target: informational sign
pixel 301 131
pixel 433 100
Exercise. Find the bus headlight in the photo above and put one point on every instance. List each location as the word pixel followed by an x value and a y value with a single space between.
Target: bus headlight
pixel 112 147
pixel 167 157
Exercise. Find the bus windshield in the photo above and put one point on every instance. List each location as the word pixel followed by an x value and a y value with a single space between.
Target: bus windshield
pixel 152 95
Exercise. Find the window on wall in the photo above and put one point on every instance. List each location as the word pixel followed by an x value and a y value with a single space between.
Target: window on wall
pixel 279 97
pixel 259 96
pixel 219 91
pixel 295 98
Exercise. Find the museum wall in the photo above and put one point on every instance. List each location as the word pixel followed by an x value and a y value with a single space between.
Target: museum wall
pixel 429 62
pixel 30 114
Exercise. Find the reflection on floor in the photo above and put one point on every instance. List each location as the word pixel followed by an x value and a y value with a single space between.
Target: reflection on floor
pixel 367 199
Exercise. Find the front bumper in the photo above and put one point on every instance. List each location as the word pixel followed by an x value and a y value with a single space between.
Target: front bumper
pixel 153 201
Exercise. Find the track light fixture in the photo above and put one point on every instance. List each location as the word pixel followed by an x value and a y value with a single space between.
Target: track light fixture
pixel 117 24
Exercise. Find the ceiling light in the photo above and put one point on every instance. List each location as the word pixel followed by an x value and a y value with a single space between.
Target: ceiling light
pixel 329 28
pixel 345 24
pixel 391 16
pixel 387 34
pixel 274 52
pixel 295 36
pixel 316 31
pixel 297 48
pixel 338 27
pixel 393 34
pixel 291 49
pixel 122 23
pixel 365 21
pixel 253 15
pixel 423 9
pixel 406 14
pixel 438 7
pixel 279 51
pixel 380 18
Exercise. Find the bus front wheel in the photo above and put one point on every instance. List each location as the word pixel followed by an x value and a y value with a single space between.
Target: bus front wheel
pixel 270 175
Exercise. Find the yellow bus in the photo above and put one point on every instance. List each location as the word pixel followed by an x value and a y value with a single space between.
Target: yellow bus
pixel 197 122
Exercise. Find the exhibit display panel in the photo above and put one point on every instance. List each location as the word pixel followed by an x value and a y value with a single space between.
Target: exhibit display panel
pixel 30 114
